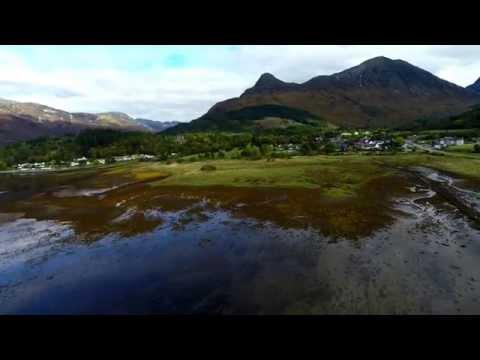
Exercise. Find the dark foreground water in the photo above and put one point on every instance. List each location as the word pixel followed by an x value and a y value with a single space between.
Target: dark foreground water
pixel 79 250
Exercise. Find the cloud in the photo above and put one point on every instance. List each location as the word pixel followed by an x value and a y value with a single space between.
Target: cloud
pixel 18 88
pixel 183 82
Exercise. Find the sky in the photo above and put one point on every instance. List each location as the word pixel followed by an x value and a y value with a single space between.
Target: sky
pixel 180 83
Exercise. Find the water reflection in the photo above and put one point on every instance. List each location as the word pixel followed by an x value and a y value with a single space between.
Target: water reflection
pixel 395 248
pixel 128 208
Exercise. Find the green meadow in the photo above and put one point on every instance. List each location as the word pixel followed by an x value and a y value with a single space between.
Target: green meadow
pixel 336 176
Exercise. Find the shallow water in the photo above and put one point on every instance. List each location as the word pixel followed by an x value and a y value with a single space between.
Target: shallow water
pixel 396 248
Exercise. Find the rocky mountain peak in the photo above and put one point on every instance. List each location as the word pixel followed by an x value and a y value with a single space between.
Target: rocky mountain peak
pixel 267 80
pixel 267 83
pixel 382 72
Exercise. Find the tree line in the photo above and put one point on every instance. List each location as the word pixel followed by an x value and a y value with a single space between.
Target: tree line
pixel 107 144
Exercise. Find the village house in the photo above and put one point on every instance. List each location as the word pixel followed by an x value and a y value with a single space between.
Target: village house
pixel 123 158
pixel 82 161
pixel 134 157
pixel 367 144
pixel 147 157
pixel 408 146
pixel 33 166
pixel 446 141
pixel 288 148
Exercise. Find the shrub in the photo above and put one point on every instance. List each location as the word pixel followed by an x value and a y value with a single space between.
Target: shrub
pixel 329 148
pixel 208 167
pixel 251 151
pixel 476 148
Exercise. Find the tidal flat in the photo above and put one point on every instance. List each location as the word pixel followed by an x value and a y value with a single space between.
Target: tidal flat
pixel 309 235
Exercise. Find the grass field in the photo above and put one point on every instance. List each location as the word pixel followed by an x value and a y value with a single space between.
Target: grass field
pixel 336 176
pixel 464 149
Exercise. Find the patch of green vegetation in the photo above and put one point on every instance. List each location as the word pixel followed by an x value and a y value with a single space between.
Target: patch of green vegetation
pixel 274 123
pixel 335 176
pixel 461 165
pixel 466 148
pixel 247 119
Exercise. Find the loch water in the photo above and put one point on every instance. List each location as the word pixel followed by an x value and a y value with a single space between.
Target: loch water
pixel 71 245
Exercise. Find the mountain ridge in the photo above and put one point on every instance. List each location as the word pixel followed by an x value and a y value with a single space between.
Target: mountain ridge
pixel 27 120
pixel 379 92
pixel 475 86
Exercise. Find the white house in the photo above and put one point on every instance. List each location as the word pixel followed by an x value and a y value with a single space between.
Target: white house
pixel 447 141
pixel 146 157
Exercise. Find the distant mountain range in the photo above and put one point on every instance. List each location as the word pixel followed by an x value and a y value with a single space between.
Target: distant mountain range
pixel 379 92
pixel 25 121
pixel 157 126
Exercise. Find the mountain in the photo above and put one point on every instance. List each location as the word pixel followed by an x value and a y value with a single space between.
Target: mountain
pixel 379 92
pixel 157 126
pixel 25 121
pixel 475 86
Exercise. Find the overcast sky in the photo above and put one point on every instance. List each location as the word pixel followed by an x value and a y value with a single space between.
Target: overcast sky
pixel 182 82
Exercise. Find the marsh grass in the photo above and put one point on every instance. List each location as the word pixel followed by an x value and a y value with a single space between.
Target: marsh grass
pixel 345 195
pixel 335 176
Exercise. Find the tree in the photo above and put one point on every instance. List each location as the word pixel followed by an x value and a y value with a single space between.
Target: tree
pixel 306 149
pixel 266 149
pixel 251 151
pixel 398 141
pixel 329 148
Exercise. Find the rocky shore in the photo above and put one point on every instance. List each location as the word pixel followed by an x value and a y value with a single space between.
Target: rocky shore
pixel 467 201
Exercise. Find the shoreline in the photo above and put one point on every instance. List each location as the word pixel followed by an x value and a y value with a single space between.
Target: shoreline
pixel 467 201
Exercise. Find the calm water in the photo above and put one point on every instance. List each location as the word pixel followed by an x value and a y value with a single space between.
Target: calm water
pixel 79 244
